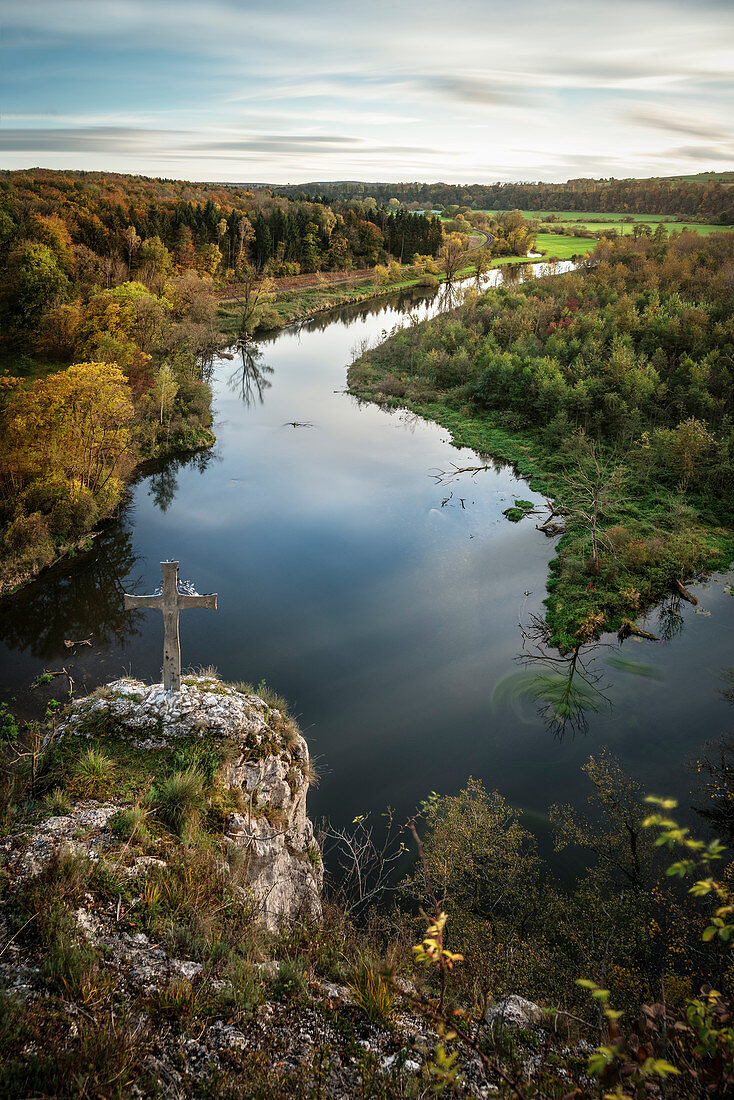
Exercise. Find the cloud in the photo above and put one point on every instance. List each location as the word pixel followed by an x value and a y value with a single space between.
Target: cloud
pixel 698 154
pixel 85 140
pixel 176 144
pixel 479 91
pixel 676 124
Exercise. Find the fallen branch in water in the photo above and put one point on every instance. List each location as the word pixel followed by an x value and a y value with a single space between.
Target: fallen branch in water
pixel 628 628
pixel 684 593
pixel 443 475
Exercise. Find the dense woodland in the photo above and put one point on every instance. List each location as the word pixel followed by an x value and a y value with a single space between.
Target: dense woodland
pixel 115 275
pixel 706 200
pixel 120 224
pixel 614 386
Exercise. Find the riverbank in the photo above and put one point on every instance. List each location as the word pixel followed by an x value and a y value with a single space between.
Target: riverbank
pixel 643 501
pixel 22 568
pixel 579 606
pixel 295 305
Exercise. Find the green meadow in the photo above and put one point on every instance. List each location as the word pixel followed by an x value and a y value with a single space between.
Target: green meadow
pixel 564 248
pixel 598 220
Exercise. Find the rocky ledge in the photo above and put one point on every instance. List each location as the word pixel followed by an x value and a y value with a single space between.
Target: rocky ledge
pixel 262 778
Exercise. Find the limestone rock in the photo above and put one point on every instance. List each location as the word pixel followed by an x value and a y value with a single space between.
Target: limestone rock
pixel 265 759
pixel 516 1011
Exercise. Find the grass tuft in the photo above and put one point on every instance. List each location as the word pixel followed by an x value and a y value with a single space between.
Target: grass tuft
pixel 179 801
pixel 372 992
pixel 57 802
pixel 92 773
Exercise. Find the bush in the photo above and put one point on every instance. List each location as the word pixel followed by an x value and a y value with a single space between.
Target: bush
pixel 29 535
pixel 392 386
pixel 290 981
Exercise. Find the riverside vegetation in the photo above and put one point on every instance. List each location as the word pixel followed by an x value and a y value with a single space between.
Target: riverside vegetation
pixel 108 303
pixel 612 389
pixel 134 964
pixel 109 325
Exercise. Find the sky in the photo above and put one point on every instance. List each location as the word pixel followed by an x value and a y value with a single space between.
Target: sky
pixel 289 91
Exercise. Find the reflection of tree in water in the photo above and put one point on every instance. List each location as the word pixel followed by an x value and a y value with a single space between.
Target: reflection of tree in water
pixel 449 296
pixel 671 622
pixel 401 300
pixel 163 482
pixel 715 769
pixel 163 485
pixel 566 688
pixel 74 600
pixel 250 378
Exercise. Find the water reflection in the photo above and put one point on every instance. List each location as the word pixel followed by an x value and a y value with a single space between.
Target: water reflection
pixel 163 477
pixel 565 688
pixel 250 378
pixel 387 619
pixel 670 621
pixel 74 601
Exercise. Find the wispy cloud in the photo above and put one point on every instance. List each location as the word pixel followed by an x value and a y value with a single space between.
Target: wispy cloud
pixel 667 123
pixel 488 89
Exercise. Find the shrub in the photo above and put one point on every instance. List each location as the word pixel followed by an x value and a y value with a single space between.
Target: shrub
pixel 244 991
pixel 392 386
pixel 29 538
pixel 290 981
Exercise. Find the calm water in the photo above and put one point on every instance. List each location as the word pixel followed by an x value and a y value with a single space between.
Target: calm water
pixel 383 603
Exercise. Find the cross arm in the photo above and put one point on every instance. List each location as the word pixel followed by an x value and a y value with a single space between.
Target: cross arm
pixel 143 601
pixel 208 602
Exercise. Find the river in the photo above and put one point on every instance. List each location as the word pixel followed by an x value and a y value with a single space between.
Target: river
pixel 383 602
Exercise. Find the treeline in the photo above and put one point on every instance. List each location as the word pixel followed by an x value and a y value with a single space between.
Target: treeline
pixel 707 200
pixel 622 374
pixel 119 225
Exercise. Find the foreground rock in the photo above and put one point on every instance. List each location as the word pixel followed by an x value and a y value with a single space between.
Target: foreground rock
pixel 264 768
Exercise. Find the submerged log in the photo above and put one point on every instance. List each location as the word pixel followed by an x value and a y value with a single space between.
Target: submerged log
pixel 629 628
pixel 684 593
pixel 550 528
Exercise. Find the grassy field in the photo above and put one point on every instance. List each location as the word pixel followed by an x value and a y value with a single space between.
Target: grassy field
pixel 598 221
pixel 564 248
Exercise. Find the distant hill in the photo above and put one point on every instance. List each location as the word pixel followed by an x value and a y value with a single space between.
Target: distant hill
pixel 706 196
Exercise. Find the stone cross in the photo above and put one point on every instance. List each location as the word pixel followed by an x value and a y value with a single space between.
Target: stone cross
pixel 172 598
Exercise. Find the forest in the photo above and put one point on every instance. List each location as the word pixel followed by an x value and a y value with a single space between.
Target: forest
pixel 711 199
pixel 613 387
pixel 113 277
pixel 119 224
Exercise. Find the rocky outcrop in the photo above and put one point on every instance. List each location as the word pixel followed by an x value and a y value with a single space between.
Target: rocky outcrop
pixel 265 762
pixel 516 1011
